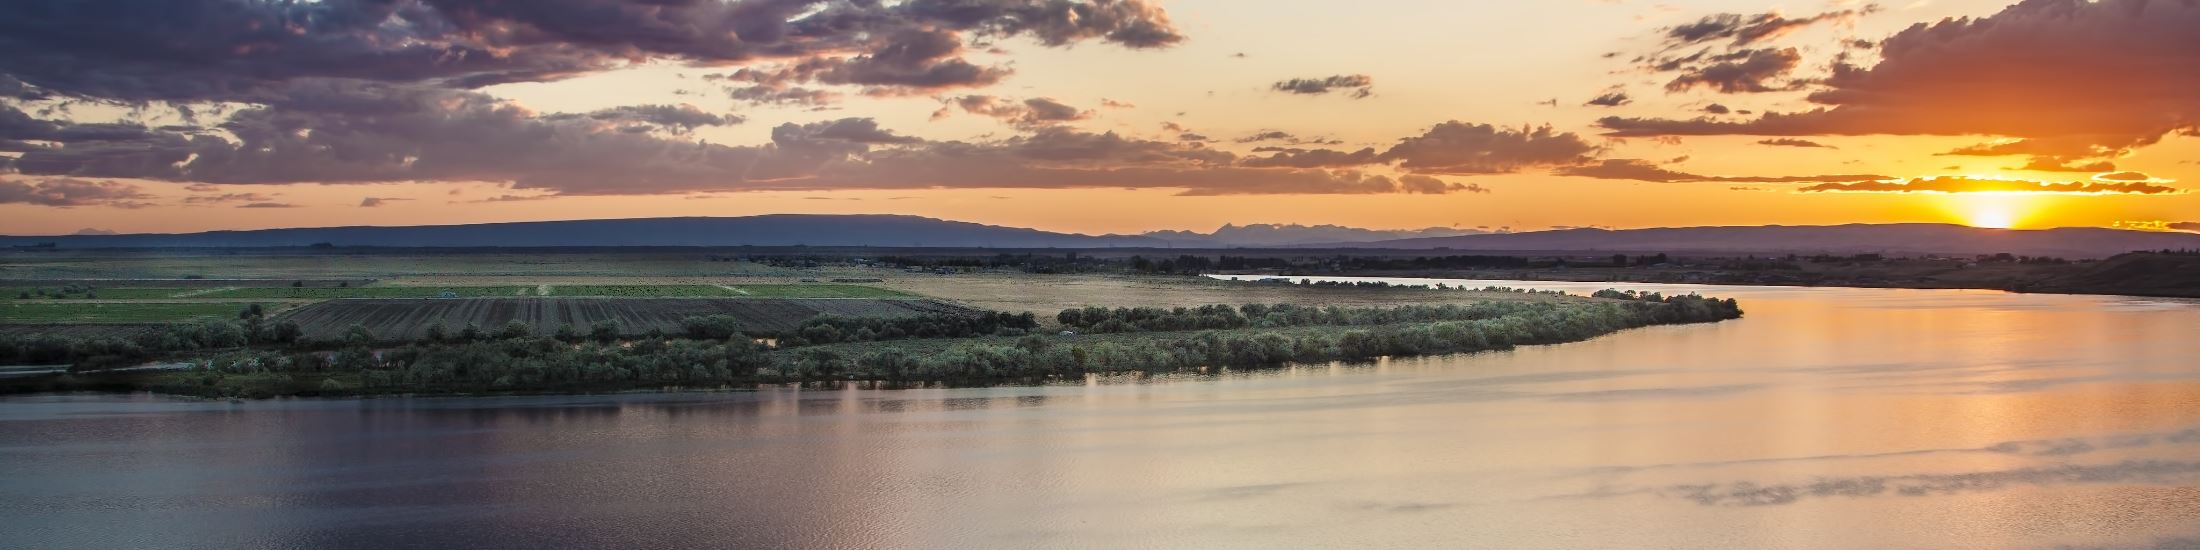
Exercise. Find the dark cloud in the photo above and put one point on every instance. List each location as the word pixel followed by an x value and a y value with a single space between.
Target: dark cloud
pixel 1356 86
pixel 1793 142
pixel 1961 184
pixel 1455 148
pixel 910 62
pixel 1464 148
pixel 199 50
pixel 223 198
pixel 95 231
pixel 1315 158
pixel 2097 79
pixel 2185 226
pixel 2059 164
pixel 372 202
pixel 1747 71
pixel 267 205
pixel 1613 99
pixel 71 192
pixel 782 95
pixel 1743 30
pixel 678 119
pixel 1028 113
pixel 1643 170
pixel 2125 176
pixel 1717 109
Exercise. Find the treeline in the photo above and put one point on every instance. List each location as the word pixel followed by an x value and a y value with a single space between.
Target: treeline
pixel 835 329
pixel 532 363
pixel 1220 317
pixel 1040 357
pixel 251 327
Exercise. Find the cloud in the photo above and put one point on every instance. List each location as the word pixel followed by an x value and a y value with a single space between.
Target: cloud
pixel 679 119
pixel 2185 226
pixel 2125 176
pixel 1792 142
pixel 1962 184
pixel 373 202
pixel 1314 158
pixel 1453 148
pixel 1613 99
pixel 72 192
pixel 94 231
pixel 1356 86
pixel 1717 109
pixel 168 50
pixel 267 205
pixel 1743 30
pixel 2094 79
pixel 221 198
pixel 1643 170
pixel 1464 148
pixel 1747 71
pixel 909 62
pixel 1028 113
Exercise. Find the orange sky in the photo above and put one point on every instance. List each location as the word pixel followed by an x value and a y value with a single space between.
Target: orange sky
pixel 1508 65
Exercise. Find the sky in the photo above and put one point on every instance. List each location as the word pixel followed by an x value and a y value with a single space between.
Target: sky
pixel 1100 116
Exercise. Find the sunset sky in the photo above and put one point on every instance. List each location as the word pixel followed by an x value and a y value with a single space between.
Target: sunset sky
pixel 1099 116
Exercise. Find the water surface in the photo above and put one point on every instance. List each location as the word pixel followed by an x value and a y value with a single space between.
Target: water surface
pixel 1827 418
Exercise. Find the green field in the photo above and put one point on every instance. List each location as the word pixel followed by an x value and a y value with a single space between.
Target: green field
pixel 326 293
pixel 98 293
pixel 818 291
pixel 726 291
pixel 642 291
pixel 115 312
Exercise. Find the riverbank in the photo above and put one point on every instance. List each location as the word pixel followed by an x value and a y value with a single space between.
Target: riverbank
pixel 1121 340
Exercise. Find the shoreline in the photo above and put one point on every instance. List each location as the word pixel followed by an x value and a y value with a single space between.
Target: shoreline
pixel 528 366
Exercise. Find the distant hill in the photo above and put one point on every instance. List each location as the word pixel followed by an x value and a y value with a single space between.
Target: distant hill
pixel 1891 239
pixel 914 231
pixel 1268 235
pixel 770 230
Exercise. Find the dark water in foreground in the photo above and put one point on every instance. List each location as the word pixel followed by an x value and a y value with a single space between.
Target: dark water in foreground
pixel 1828 418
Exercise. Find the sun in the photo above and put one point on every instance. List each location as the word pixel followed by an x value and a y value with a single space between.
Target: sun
pixel 1992 218
pixel 1991 210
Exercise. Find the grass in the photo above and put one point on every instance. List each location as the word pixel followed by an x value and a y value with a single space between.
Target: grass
pixel 643 291
pixel 98 293
pixel 327 293
pixel 819 291
pixel 117 312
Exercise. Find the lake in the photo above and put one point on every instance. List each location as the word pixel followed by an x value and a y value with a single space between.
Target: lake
pixel 1826 418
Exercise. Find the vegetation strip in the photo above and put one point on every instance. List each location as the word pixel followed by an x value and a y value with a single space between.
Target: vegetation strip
pixel 260 357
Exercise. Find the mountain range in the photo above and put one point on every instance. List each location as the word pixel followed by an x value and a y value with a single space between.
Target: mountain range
pixel 914 231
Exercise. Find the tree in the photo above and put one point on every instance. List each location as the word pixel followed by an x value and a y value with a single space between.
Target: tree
pixel 711 327
pixel 437 332
pixel 566 333
pixel 358 336
pixel 605 331
pixel 515 329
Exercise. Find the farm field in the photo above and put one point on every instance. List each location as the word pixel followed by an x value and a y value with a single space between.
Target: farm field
pixel 410 319
pixel 324 293
pixel 118 312
pixel 642 291
pixel 123 293
pixel 818 291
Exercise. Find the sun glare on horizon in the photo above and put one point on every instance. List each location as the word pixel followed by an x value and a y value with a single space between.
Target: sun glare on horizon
pixel 1991 210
